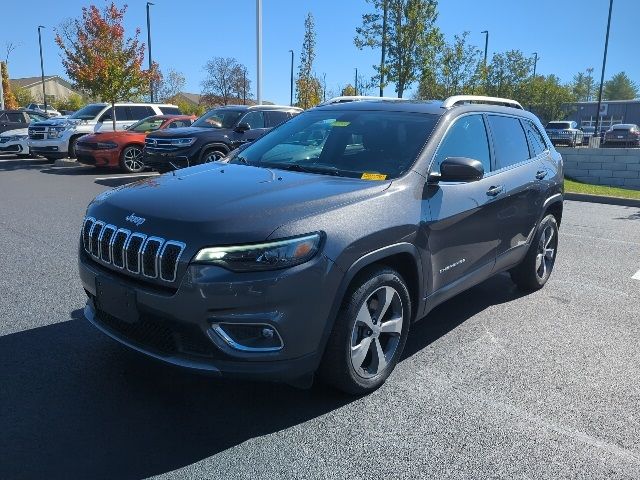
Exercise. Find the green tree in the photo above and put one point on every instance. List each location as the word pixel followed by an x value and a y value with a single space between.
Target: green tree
pixel 547 97
pixel 508 75
pixel 74 102
pixel 620 87
pixel 308 88
pixel 349 90
pixel 582 85
pixel 100 60
pixel 411 38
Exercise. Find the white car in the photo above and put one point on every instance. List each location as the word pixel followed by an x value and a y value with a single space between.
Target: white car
pixel 15 142
pixel 39 107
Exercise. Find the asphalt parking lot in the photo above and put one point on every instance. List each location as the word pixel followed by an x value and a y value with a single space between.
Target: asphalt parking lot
pixel 493 383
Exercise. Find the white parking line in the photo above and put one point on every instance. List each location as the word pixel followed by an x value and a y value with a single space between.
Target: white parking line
pixel 141 175
pixel 637 275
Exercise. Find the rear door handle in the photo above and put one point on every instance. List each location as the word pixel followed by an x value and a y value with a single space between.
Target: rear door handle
pixel 541 174
pixel 493 191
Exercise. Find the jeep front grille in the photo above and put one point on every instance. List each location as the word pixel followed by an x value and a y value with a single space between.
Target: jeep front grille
pixel 152 257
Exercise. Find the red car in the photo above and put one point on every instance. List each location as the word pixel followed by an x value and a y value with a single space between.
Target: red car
pixel 123 149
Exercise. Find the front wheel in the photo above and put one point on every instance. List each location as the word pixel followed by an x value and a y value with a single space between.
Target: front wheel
pixel 537 265
pixel 212 156
pixel 369 334
pixel 131 159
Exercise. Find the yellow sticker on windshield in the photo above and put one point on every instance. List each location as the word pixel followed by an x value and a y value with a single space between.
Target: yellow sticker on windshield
pixel 373 176
pixel 338 123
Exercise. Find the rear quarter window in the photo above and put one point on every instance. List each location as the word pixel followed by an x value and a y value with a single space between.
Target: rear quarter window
pixel 509 141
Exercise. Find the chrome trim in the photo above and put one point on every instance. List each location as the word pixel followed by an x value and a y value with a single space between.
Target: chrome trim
pixel 456 99
pixel 131 237
pixel 97 253
pixel 93 221
pixel 124 251
pixel 155 258
pixel 101 236
pixel 182 246
pixel 219 330
pixel 551 199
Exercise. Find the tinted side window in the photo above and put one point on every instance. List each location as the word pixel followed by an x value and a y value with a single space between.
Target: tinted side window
pixel 275 118
pixel 536 140
pixel 138 112
pixel 16 118
pixel 170 111
pixel 254 119
pixel 509 142
pixel 179 124
pixel 3 117
pixel 467 137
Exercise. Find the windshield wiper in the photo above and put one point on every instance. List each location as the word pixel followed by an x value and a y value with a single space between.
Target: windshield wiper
pixel 295 167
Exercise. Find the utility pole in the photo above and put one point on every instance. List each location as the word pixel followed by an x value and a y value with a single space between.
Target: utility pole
pixel 356 83
pixel 244 86
pixel 1 89
pixel 44 91
pixel 596 133
pixel 259 50
pixel 149 46
pixel 486 46
pixel 324 87
pixel 291 82
pixel 384 45
pixel 533 77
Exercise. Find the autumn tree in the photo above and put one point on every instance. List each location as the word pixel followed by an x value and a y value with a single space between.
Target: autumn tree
pixel 9 99
pixel 100 60
pixel 620 87
pixel 411 38
pixel 169 84
pixel 308 86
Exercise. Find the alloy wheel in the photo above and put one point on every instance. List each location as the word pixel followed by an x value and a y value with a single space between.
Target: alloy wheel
pixel 376 332
pixel 133 159
pixel 213 156
pixel 546 252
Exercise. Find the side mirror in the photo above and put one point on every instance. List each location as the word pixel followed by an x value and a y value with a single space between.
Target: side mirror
pixel 459 169
pixel 242 127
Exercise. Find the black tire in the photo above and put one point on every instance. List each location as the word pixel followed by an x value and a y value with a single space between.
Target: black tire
pixel 531 275
pixel 212 155
pixel 366 294
pixel 131 160
pixel 72 148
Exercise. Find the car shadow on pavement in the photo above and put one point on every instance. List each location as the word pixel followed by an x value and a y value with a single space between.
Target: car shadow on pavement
pixel 75 404
pixel 11 164
pixel 77 170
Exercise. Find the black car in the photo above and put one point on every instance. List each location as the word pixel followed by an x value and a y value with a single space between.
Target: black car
pixel 314 248
pixel 213 135
pixel 16 119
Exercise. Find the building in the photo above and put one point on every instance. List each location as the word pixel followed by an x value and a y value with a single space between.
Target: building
pixel 56 88
pixel 612 112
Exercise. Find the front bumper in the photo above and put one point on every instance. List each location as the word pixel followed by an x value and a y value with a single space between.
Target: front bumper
pixel 176 326
pixel 14 147
pixel 180 158
pixel 57 148
pixel 99 158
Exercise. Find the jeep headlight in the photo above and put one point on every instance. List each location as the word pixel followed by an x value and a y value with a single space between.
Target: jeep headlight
pixel 262 256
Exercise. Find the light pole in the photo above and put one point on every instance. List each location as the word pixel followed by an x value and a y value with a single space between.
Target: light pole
pixel 486 46
pixel 244 86
pixel 533 77
pixel 1 89
pixel 149 44
pixel 355 88
pixel 44 92
pixel 259 50
pixel 291 82
pixel 604 64
pixel 384 45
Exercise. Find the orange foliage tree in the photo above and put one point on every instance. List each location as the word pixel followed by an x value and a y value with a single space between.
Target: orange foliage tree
pixel 100 60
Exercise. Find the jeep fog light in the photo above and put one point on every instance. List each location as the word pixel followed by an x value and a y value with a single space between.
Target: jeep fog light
pixel 249 337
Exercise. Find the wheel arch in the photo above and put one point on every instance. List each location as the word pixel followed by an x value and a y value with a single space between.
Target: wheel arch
pixel 554 205
pixel 213 146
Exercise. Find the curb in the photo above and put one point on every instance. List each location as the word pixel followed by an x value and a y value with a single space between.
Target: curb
pixel 583 197
pixel 66 162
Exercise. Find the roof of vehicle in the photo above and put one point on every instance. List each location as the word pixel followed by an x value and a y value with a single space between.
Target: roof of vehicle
pixel 258 107
pixel 621 126
pixel 173 117
pixel 354 98
pixel 105 104
pixel 20 110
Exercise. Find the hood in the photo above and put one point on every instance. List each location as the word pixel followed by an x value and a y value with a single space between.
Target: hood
pixel 112 136
pixel 186 131
pixel 55 122
pixel 17 131
pixel 225 204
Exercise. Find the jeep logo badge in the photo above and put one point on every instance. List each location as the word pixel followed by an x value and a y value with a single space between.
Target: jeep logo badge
pixel 135 219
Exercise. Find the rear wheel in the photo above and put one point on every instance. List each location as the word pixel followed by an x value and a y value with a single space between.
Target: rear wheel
pixel 369 334
pixel 535 269
pixel 131 159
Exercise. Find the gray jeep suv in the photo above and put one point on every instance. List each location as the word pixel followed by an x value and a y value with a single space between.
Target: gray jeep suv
pixel 314 248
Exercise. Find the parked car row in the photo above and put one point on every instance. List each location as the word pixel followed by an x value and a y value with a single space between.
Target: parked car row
pixel 568 133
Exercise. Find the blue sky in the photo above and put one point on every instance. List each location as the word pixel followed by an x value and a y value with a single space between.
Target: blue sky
pixel 568 36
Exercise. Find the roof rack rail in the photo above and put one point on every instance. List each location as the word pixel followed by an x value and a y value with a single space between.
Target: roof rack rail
pixel 462 99
pixel 354 98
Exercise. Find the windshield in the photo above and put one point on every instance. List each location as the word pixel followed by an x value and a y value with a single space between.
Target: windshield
pixel 148 124
pixel 373 145
pixel 88 112
pixel 218 118
pixel 558 125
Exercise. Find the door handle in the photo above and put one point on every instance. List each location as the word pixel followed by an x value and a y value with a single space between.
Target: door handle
pixel 541 174
pixel 493 191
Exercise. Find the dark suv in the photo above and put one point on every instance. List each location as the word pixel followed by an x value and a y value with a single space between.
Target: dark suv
pixel 213 135
pixel 314 248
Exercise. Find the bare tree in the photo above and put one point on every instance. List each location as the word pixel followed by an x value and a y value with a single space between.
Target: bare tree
pixel 9 47
pixel 170 84
pixel 225 79
pixel 240 83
